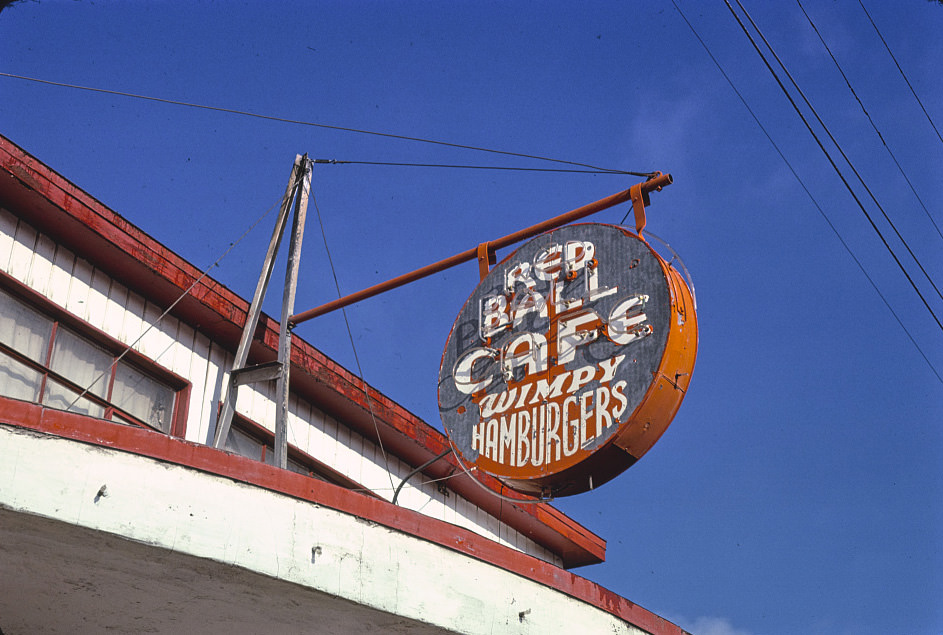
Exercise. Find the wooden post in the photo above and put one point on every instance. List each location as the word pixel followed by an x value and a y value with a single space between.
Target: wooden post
pixel 288 305
pixel 300 168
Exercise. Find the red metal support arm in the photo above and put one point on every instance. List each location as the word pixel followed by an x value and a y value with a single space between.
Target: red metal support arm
pixel 653 184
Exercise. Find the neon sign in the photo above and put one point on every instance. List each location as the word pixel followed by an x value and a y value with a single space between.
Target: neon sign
pixel 568 361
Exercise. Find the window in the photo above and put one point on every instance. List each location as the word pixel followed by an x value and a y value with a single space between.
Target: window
pixel 48 362
pixel 245 439
pixel 249 439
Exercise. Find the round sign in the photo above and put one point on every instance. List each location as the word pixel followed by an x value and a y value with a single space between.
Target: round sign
pixel 568 361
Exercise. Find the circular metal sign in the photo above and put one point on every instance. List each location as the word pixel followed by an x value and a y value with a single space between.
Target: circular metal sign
pixel 568 361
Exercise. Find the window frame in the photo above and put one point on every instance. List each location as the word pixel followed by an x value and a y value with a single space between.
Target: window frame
pixel 316 468
pixel 180 386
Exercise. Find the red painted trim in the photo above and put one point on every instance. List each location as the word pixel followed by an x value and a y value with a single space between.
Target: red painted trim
pixel 178 426
pixel 72 217
pixel 206 459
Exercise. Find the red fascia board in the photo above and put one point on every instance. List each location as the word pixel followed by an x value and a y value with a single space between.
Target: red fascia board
pixel 143 442
pixel 55 206
pixel 73 218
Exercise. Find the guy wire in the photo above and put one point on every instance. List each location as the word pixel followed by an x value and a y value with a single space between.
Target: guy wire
pixel 206 272
pixel 353 347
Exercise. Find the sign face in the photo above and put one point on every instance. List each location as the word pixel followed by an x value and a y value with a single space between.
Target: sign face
pixel 550 366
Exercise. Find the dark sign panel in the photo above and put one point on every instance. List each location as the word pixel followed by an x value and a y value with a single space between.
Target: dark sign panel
pixel 568 361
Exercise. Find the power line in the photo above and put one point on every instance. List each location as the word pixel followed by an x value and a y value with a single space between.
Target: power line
pixel 850 165
pixel 481 167
pixel 808 193
pixel 828 156
pixel 902 74
pixel 319 125
pixel 870 120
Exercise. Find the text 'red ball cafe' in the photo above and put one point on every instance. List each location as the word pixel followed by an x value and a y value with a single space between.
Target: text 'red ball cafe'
pixel 568 361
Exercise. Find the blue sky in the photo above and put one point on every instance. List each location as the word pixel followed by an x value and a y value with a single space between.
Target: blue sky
pixel 799 488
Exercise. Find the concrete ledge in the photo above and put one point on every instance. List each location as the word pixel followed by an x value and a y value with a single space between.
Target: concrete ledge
pixel 63 578
pixel 333 556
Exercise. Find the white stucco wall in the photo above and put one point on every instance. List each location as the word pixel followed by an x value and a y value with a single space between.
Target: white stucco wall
pixel 191 512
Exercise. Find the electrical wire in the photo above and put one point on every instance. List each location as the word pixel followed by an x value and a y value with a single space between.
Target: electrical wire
pixel 471 476
pixel 646 175
pixel 415 471
pixel 854 171
pixel 902 74
pixel 870 120
pixel 315 124
pixel 828 156
pixel 441 478
pixel 375 490
pixel 802 184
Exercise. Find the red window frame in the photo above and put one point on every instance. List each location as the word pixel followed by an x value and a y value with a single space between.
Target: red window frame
pixel 59 316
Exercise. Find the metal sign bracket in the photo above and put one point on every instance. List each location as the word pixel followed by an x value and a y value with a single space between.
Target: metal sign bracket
pixel 486 258
pixel 640 199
